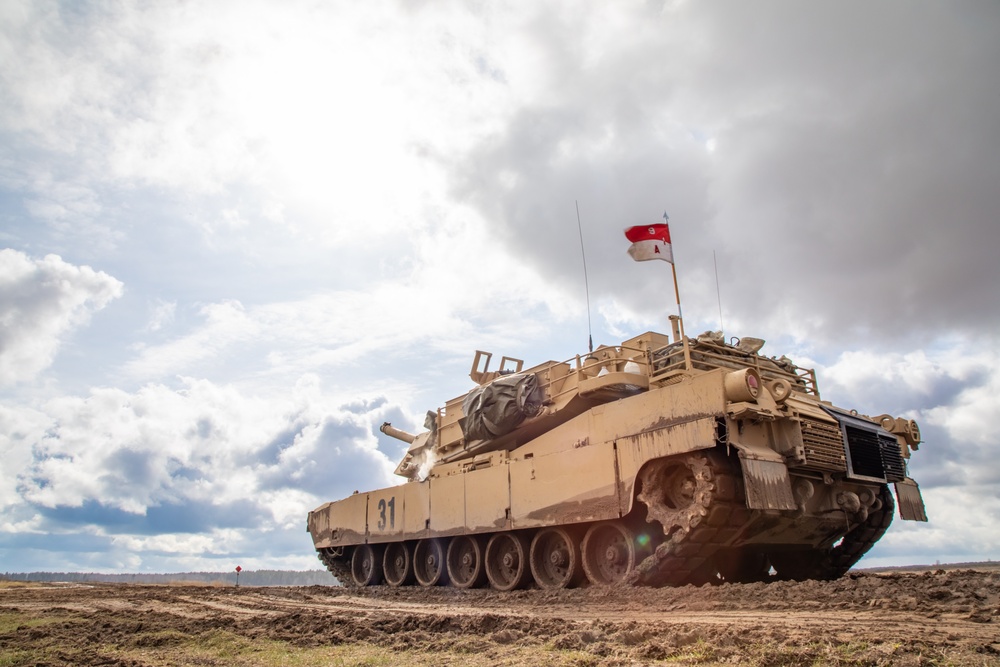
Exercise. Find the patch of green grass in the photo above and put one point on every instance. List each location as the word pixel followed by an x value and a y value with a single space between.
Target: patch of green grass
pixel 168 647
pixel 221 647
pixel 851 650
pixel 567 656
pixel 699 653
pixel 15 658
pixel 15 623
pixel 11 621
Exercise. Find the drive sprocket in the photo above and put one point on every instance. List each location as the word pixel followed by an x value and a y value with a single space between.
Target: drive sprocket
pixel 677 493
pixel 693 498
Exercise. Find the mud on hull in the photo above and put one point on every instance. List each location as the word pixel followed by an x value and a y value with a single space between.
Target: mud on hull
pixel 690 526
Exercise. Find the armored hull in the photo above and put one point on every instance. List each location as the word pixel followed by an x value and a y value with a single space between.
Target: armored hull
pixel 652 462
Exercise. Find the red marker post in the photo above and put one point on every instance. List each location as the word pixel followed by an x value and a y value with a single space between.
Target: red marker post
pixel 238 570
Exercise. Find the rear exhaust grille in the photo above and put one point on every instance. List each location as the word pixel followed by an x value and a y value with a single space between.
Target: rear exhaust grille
pixel 853 445
pixel 875 455
pixel 892 460
pixel 866 455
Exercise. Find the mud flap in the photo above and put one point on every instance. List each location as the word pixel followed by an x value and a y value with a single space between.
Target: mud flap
pixel 909 500
pixel 768 486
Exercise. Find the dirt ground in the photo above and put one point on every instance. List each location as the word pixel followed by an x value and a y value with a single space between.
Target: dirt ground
pixel 932 618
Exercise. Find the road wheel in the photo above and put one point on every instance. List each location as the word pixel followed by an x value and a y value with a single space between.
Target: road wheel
pixel 507 561
pixel 366 565
pixel 465 562
pixel 428 563
pixel 555 558
pixel 608 553
pixel 397 564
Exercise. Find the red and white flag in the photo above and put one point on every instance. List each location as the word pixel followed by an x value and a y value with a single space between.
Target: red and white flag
pixel 650 242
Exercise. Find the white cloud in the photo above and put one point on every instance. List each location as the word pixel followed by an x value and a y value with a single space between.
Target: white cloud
pixel 226 324
pixel 927 377
pixel 20 429
pixel 971 418
pixel 298 115
pixel 952 389
pixel 41 302
pixel 456 288
pixel 161 315
pixel 201 443
pixel 961 528
pixel 200 470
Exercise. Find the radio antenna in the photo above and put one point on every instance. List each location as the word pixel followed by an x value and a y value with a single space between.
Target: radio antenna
pixel 718 292
pixel 586 283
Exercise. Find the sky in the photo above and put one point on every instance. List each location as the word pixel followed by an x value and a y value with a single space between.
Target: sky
pixel 236 237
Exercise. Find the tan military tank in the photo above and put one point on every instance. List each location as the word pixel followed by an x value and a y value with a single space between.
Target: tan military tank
pixel 657 461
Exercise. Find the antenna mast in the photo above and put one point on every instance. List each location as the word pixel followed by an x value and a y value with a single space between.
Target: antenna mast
pixel 718 292
pixel 586 283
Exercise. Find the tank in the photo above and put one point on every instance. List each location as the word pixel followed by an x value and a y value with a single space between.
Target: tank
pixel 660 461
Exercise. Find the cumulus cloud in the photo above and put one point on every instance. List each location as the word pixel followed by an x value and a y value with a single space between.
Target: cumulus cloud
pixel 169 469
pixel 919 380
pixel 868 170
pixel 204 443
pixel 970 416
pixel 961 529
pixel 280 126
pixel 459 298
pixel 20 429
pixel 952 391
pixel 41 302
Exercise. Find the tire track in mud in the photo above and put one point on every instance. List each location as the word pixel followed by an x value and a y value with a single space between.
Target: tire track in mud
pixel 894 618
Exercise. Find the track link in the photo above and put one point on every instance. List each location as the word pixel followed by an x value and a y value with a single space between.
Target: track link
pixel 857 542
pixel 833 563
pixel 337 567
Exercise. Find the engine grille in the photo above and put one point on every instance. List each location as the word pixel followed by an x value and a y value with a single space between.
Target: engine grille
pixel 824 446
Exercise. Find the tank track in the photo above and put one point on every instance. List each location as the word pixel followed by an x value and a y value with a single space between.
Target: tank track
pixel 833 563
pixel 696 533
pixel 857 542
pixel 338 568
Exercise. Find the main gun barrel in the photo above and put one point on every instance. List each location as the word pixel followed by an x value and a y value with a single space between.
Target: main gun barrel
pixel 391 430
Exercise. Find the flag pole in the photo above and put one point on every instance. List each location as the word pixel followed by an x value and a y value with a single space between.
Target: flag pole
pixel 653 242
pixel 680 312
pixel 586 283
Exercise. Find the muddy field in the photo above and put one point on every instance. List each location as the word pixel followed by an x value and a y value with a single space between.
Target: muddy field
pixel 930 618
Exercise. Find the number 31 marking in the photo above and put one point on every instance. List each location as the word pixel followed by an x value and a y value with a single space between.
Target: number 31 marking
pixel 392 513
